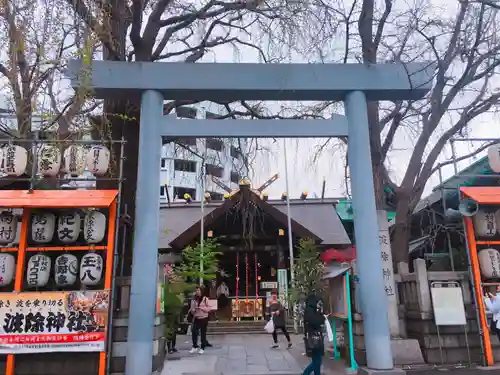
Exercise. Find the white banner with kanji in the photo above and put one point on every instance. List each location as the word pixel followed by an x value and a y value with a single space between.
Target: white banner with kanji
pixel 41 322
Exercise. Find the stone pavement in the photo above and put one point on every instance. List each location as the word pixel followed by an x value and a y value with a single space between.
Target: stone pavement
pixel 235 355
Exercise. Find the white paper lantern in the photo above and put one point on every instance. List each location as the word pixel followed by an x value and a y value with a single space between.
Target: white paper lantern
pixel 7 268
pixel 91 269
pixel 74 160
pixel 485 224
pixel 38 271
pixel 98 160
pixel 8 228
pixel 14 160
pixel 68 227
pixel 94 227
pixel 66 269
pixel 49 161
pixel 489 262
pixel 494 158
pixel 43 225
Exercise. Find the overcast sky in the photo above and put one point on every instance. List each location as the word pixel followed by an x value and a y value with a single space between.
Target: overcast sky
pixel 305 174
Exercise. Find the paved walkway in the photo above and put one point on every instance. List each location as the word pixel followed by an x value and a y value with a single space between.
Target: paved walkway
pixel 234 355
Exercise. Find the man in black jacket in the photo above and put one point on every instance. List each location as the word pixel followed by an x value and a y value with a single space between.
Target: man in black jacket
pixel 313 324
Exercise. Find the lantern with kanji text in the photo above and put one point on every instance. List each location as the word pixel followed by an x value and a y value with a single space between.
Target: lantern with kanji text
pixel 7 268
pixel 485 224
pixel 8 228
pixel 91 268
pixel 38 271
pixel 489 263
pixel 74 160
pixel 49 161
pixel 66 269
pixel 43 225
pixel 98 159
pixel 94 227
pixel 14 160
pixel 68 226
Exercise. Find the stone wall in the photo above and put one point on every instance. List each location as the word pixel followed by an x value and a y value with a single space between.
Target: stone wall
pixel 87 363
pixel 417 320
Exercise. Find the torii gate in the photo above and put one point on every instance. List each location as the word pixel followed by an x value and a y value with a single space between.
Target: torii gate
pixel 352 83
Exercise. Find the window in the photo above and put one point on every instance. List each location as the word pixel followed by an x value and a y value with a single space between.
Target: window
pixel 235 177
pixel 180 191
pixel 235 152
pixel 162 191
pixel 186 141
pixel 216 196
pixel 184 165
pixel 163 163
pixel 215 144
pixel 213 170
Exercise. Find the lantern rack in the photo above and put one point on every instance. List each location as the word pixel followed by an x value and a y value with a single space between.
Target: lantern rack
pixel 483 196
pixel 64 199
pixel 487 242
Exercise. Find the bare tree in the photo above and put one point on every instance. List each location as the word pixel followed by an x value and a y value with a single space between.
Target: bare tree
pixel 464 41
pixel 183 30
pixel 37 39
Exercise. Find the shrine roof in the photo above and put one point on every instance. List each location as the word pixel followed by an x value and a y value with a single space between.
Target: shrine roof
pixel 56 198
pixel 483 194
pixel 319 218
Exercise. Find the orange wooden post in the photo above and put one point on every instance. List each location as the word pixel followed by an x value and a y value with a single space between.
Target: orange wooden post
pixel 108 275
pixel 18 283
pixel 476 274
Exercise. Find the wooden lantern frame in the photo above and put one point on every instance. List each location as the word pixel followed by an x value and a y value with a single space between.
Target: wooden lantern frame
pixel 483 196
pixel 61 199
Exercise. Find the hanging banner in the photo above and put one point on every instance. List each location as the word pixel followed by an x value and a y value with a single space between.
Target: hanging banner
pixel 44 322
pixel 160 298
pixel 283 286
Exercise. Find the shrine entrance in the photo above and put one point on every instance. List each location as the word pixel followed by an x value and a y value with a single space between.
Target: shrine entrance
pixel 253 238
pixel 156 82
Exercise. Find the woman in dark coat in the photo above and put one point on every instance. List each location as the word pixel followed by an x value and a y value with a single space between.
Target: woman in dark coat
pixel 279 320
pixel 313 322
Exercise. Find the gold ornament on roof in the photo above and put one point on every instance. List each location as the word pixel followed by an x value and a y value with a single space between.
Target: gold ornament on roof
pixel 245 181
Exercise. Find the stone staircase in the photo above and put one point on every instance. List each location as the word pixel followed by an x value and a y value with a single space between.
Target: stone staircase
pixel 237 328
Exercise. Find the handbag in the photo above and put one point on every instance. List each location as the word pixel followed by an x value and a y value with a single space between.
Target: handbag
pixel 329 332
pixel 269 328
pixel 315 340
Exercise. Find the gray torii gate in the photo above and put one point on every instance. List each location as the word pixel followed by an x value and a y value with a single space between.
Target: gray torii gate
pixel 352 83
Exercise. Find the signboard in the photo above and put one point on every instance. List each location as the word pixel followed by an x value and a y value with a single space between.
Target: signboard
pixel 283 286
pixel 269 285
pixel 41 322
pixel 448 304
pixel 160 298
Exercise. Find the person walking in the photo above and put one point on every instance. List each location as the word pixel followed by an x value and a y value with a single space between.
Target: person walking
pixel 492 303
pixel 313 322
pixel 199 310
pixel 278 315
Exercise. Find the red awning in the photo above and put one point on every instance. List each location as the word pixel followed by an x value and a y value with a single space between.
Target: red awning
pixel 344 255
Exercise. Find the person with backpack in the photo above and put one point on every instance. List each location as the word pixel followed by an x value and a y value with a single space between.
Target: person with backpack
pixel 314 321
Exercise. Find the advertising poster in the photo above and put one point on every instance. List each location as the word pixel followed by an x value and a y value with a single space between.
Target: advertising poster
pixel 42 322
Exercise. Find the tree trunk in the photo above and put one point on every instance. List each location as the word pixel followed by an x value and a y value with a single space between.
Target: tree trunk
pixel 401 232
pixel 122 120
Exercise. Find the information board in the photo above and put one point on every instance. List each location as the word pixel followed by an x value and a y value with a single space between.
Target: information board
pixel 448 304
